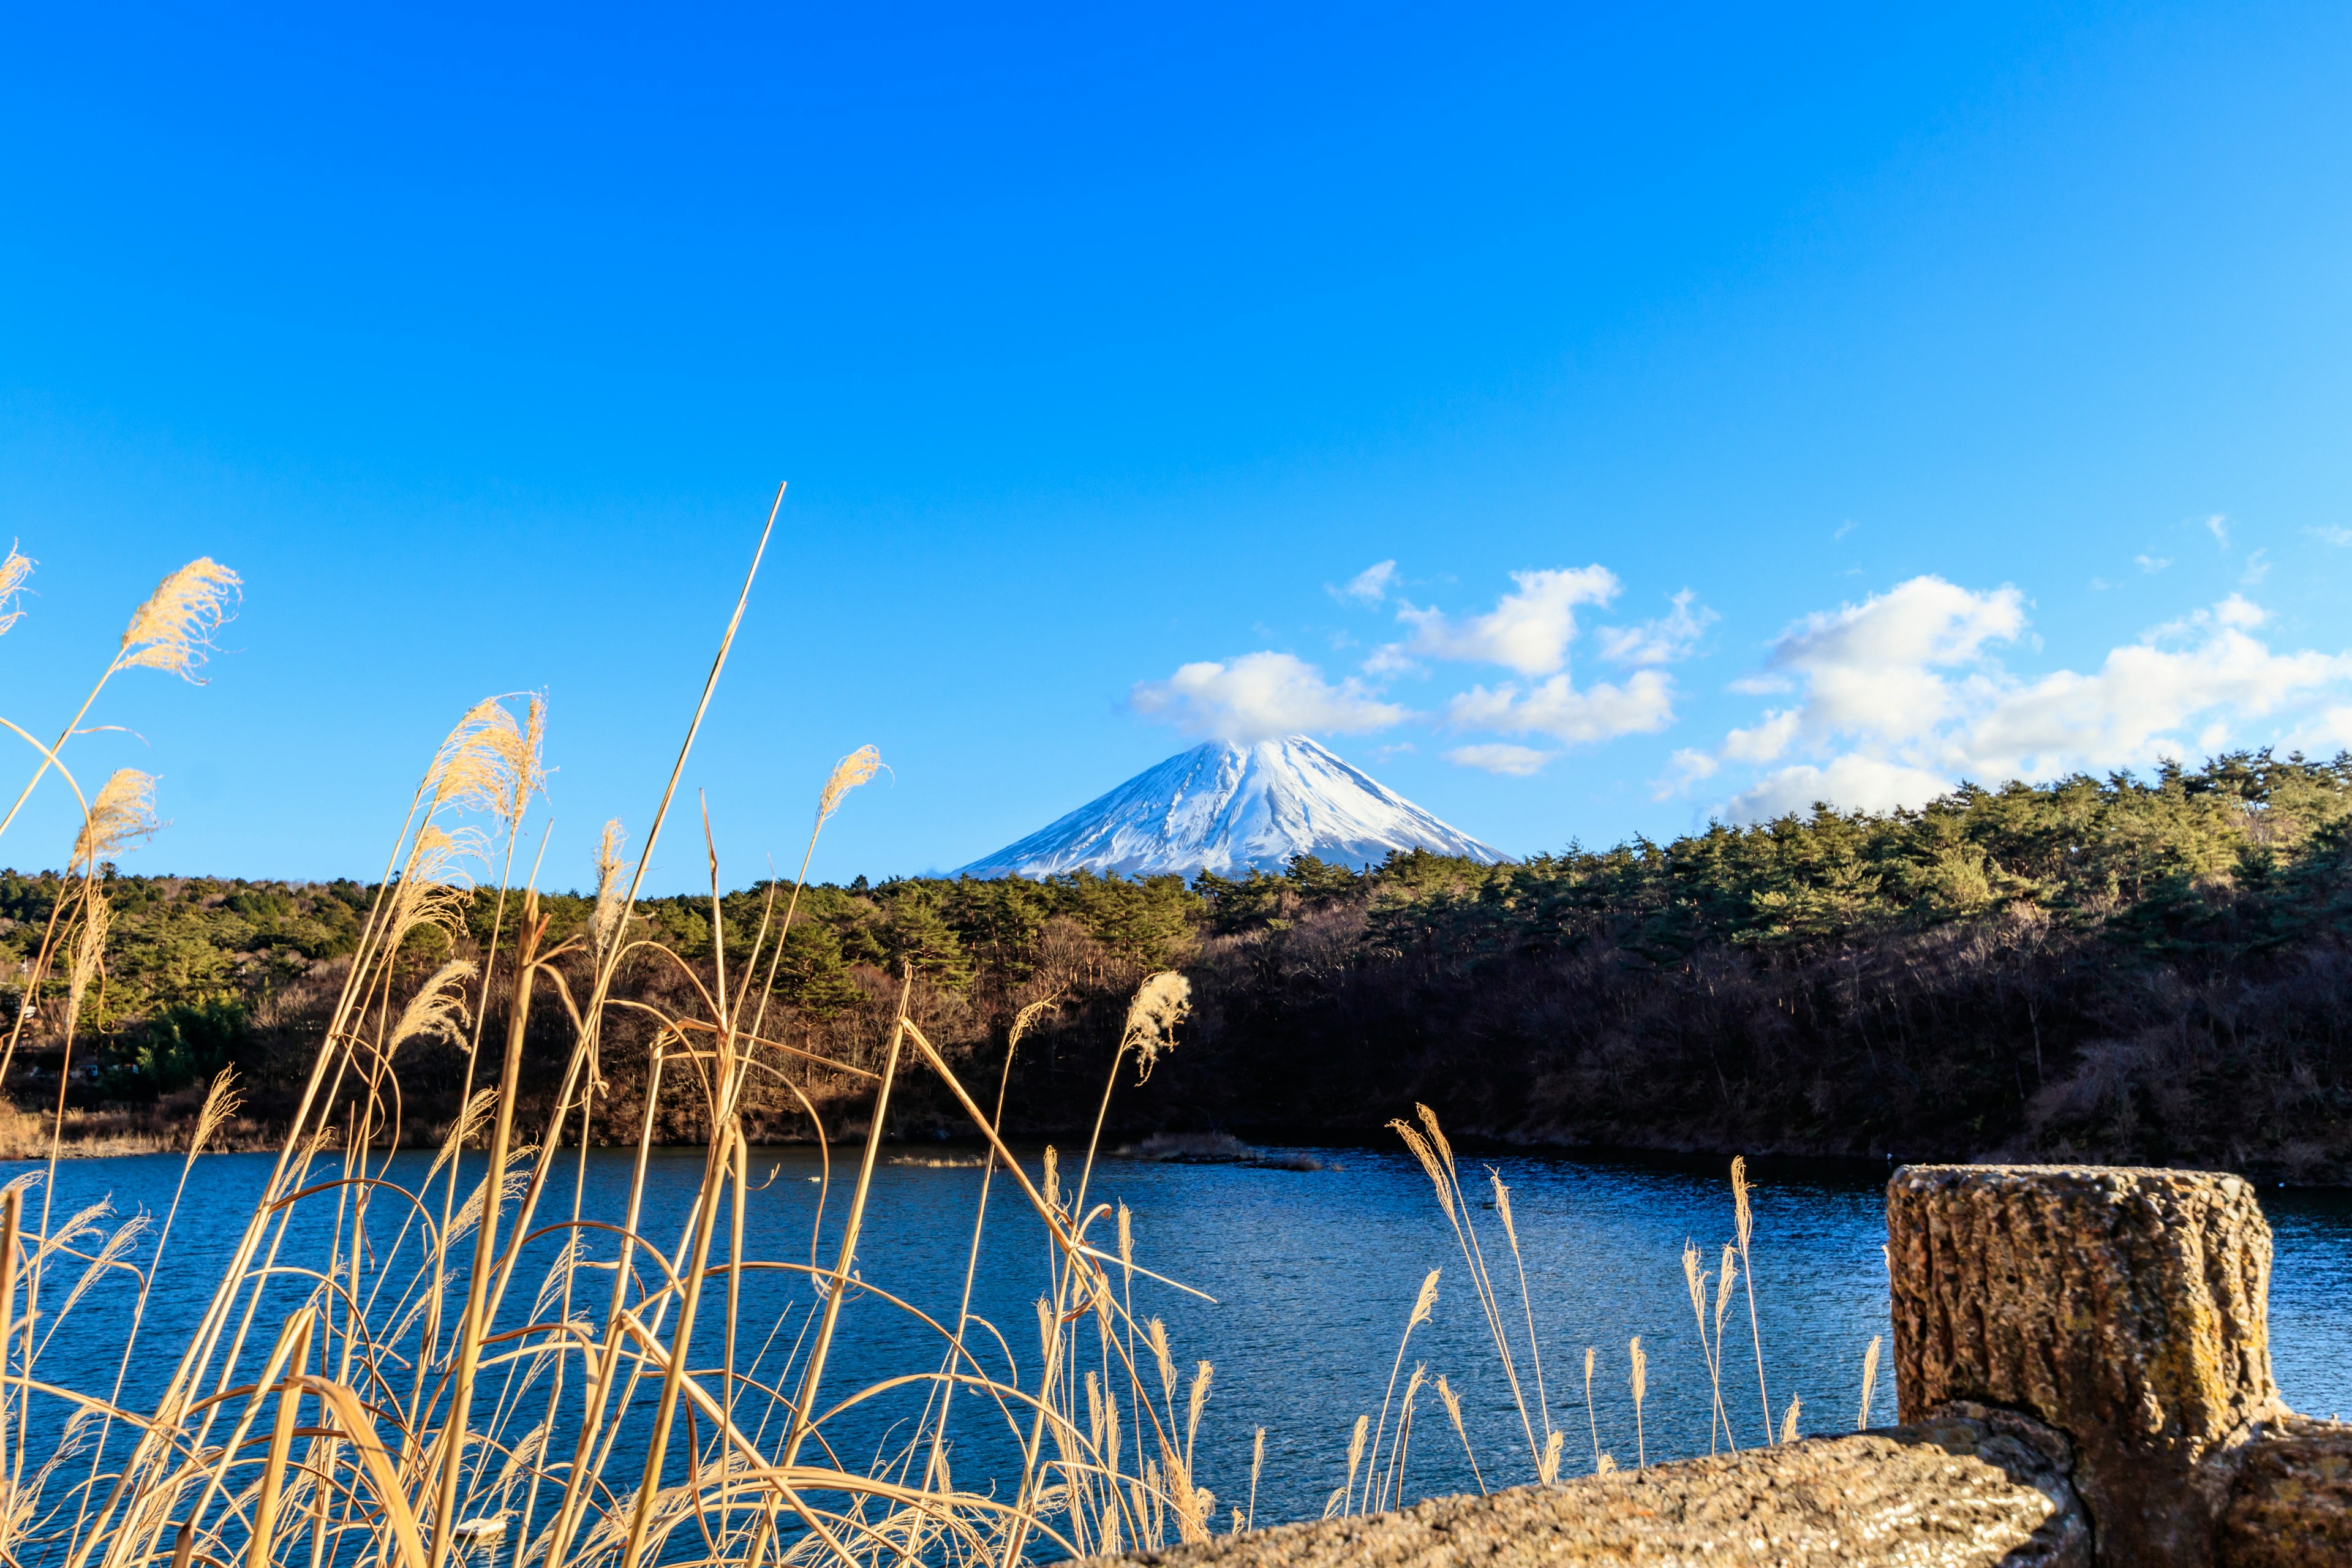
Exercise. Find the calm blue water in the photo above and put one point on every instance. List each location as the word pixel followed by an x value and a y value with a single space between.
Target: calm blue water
pixel 1313 1275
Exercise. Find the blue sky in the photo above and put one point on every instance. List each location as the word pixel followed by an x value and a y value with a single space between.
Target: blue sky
pixel 1978 380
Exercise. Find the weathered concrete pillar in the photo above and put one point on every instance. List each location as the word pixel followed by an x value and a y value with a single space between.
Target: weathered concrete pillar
pixel 2127 1309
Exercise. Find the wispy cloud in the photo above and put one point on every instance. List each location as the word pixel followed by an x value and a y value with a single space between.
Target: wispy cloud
pixel 2258 566
pixel 2152 564
pixel 1501 757
pixel 2218 527
pixel 1260 696
pixel 1368 587
pixel 2339 537
pixel 1671 636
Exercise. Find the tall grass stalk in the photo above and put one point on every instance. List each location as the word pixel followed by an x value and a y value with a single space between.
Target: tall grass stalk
pixel 1743 1217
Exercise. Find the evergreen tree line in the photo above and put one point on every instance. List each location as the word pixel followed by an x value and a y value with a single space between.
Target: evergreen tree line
pixel 2130 970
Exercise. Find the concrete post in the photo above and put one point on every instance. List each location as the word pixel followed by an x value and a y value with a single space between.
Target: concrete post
pixel 2127 1309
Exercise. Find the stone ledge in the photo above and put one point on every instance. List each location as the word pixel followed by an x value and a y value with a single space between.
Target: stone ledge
pixel 1968 1488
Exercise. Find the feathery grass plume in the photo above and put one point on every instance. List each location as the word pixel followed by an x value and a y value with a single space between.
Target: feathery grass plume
pixel 604 924
pixel 1723 1284
pixel 1696 1276
pixel 1547 1471
pixel 1428 1158
pixel 1869 1382
pixel 1453 1403
pixel 530 766
pixel 470 1117
pixel 1722 1302
pixel 1640 1383
pixel 489 762
pixel 1425 1301
pixel 221 1102
pixel 1026 1019
pixel 1436 1133
pixel 14 569
pixel 438 1008
pixel 124 810
pixel 1743 1215
pixel 1161 1002
pixel 89 951
pixel 1789 1422
pixel 434 888
pixel 1527 1301
pixel 470 769
pixel 1156 1332
pixel 1053 1182
pixel 1356 1452
pixel 847 774
pixel 172 631
pixel 1258 1463
pixel 1591 1355
pixel 1194 1405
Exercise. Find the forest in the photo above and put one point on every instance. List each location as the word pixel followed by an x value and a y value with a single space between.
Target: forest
pixel 2145 971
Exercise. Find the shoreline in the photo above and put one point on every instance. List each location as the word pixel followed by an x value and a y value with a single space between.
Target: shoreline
pixel 1765 1167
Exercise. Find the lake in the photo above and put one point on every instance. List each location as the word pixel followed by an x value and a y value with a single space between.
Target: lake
pixel 1313 1273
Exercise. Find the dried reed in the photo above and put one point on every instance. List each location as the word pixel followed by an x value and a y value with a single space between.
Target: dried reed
pixel 1638 1380
pixel 1743 1217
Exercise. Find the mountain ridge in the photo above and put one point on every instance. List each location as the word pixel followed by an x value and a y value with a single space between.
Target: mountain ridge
pixel 1228 807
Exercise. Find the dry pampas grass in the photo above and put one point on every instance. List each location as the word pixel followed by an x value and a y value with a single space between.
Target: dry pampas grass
pixel 14 569
pixel 355 1432
pixel 604 922
pixel 847 774
pixel 1161 1003
pixel 490 762
pixel 123 812
pixel 172 631
pixel 89 951
pixel 438 1008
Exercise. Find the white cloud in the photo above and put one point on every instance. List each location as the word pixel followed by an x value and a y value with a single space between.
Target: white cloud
pixel 2152 564
pixel 1854 783
pixel 1500 757
pixel 2258 566
pixel 2218 527
pixel 1902 698
pixel 1764 742
pixel 2339 537
pixel 1260 696
pixel 1528 630
pixel 1873 668
pixel 2324 735
pixel 1683 769
pixel 1661 641
pixel 1645 704
pixel 1368 587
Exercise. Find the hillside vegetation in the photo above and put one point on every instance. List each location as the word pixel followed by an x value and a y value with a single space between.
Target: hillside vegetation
pixel 2122 970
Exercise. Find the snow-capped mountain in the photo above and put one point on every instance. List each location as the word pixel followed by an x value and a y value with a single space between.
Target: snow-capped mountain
pixel 1226 807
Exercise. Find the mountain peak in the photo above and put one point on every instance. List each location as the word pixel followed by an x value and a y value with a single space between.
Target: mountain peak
pixel 1229 807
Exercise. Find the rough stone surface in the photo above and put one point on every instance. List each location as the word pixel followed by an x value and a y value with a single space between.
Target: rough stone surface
pixel 2126 1308
pixel 2290 1506
pixel 1979 1488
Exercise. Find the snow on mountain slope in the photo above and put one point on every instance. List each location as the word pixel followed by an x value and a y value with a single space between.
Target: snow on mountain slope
pixel 1225 807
